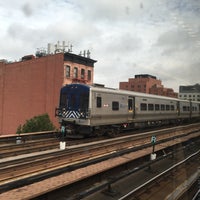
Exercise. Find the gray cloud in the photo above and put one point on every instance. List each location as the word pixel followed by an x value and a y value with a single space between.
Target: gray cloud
pixel 27 10
pixel 130 37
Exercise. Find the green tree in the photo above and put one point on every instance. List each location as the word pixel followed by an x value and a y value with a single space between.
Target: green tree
pixel 36 124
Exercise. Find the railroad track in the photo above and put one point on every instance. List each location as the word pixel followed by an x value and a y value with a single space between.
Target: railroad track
pixel 27 137
pixel 41 141
pixel 160 185
pixel 33 145
pixel 27 148
pixel 13 171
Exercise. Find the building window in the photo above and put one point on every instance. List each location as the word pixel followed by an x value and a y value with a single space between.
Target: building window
pixel 82 74
pixel 75 72
pixel 89 75
pixel 67 68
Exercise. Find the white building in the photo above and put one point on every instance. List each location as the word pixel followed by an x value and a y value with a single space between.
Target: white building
pixel 191 92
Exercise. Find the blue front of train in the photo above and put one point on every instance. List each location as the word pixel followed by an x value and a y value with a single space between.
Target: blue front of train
pixel 73 107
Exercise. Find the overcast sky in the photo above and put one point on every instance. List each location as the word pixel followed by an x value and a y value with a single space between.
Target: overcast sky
pixel 126 37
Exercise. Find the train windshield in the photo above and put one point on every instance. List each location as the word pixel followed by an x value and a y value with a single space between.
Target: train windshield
pixel 63 100
pixel 75 99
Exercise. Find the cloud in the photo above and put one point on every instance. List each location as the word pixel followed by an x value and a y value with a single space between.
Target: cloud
pixel 160 38
pixel 27 10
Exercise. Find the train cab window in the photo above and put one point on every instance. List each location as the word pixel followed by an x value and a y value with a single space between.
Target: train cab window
pixel 99 102
pixel 167 107
pixel 150 106
pixel 157 107
pixel 115 105
pixel 84 101
pixel 143 106
pixel 162 107
pixel 63 100
pixel 73 101
pixel 172 107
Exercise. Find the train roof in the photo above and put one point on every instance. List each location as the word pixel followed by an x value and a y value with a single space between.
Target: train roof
pixel 131 93
pixel 102 88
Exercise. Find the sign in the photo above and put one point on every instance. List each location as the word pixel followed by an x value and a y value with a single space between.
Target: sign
pixel 62 129
pixel 153 139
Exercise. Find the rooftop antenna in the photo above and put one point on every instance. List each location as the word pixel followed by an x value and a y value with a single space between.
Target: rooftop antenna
pixel 88 53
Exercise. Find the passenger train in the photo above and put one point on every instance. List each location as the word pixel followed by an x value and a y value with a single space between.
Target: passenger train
pixel 86 110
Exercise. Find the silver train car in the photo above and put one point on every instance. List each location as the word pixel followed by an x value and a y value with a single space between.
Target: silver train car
pixel 90 110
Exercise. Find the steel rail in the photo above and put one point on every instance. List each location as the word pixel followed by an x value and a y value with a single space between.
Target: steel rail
pixel 158 176
pixel 67 157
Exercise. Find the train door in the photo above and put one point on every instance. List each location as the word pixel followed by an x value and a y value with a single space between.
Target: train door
pixel 191 109
pixel 131 107
pixel 199 109
pixel 178 108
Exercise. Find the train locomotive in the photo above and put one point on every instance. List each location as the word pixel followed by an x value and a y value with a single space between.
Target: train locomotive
pixel 90 110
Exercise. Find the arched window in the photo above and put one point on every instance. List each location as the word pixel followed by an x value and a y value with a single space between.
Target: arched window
pixel 75 72
pixel 67 70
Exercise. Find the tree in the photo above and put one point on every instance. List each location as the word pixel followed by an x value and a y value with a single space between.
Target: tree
pixel 36 124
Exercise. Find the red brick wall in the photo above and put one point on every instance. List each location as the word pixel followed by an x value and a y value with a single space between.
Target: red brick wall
pixel 139 84
pixel 29 88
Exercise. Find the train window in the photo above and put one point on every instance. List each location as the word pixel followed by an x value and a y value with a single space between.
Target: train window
pixel 184 108
pixel 150 106
pixel 84 101
pixel 172 107
pixel 143 106
pixel 162 107
pixel 167 107
pixel 115 105
pixel 63 101
pixel 99 102
pixel 73 101
pixel 157 107
pixel 130 104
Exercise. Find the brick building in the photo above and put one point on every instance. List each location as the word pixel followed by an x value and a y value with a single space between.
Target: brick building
pixel 146 83
pixel 31 87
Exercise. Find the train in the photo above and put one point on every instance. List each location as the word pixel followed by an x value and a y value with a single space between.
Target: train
pixel 95 110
